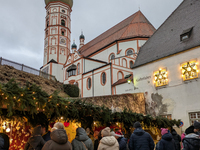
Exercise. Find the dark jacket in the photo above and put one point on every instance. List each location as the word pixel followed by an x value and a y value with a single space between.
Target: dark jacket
pixel 35 142
pixel 177 139
pixel 4 141
pixel 97 141
pixel 122 143
pixel 191 142
pixel 141 140
pixel 166 143
pixel 59 141
pixel 81 136
pixel 46 136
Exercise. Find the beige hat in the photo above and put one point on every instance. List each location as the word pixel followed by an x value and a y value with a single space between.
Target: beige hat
pixel 112 133
pixel 106 131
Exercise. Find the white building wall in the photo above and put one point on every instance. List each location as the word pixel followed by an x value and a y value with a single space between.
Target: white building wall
pixel 90 64
pixel 125 45
pixel 124 88
pixel 86 92
pixel 57 70
pixel 179 96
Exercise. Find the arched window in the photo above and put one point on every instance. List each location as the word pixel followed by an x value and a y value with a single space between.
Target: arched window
pixel 63 23
pixel 71 70
pixel 47 23
pixel 131 64
pixel 78 69
pixel 63 33
pixel 129 52
pixel 88 83
pixel 112 57
pixel 124 62
pixel 103 78
pixel 120 75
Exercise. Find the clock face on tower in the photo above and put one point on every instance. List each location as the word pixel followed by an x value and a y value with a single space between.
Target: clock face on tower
pixel 62 40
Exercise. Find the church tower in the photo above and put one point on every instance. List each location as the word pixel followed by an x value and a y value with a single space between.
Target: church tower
pixel 57 36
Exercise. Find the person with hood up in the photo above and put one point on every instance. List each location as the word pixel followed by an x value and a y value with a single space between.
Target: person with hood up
pixel 121 140
pixel 191 140
pixel 59 139
pixel 140 140
pixel 197 128
pixel 4 141
pixel 177 139
pixel 82 141
pixel 108 142
pixel 35 142
pixel 167 141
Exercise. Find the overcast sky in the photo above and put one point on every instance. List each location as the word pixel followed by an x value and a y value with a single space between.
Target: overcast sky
pixel 22 23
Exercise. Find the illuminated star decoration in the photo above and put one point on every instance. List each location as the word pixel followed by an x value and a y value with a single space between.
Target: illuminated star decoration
pixel 189 69
pixel 161 78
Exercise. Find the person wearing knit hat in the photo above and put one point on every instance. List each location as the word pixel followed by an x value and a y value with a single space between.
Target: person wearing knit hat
pixel 197 127
pixel 167 142
pixel 121 140
pixel 177 139
pixel 108 142
pixel 191 141
pixel 140 140
pixel 112 133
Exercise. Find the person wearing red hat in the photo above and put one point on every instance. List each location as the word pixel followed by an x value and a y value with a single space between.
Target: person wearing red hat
pixel 121 140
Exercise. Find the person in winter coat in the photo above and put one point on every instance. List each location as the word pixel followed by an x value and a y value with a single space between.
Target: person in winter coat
pixel 140 140
pixel 191 140
pixel 59 139
pixel 177 139
pixel 121 140
pixel 108 142
pixel 197 128
pixel 167 142
pixel 82 141
pixel 97 141
pixel 35 142
pixel 45 133
pixel 4 141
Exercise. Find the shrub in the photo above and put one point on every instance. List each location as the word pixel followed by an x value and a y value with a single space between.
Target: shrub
pixel 71 90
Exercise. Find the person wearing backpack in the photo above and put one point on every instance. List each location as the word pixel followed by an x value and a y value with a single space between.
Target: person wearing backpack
pixel 82 141
pixel 35 142
pixel 4 141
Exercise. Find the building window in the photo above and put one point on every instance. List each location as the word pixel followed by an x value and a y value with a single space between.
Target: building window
pixel 160 77
pixel 112 58
pixel 103 78
pixel 129 52
pixel 169 116
pixel 63 23
pixel 78 69
pixel 71 73
pixel 194 116
pixel 88 83
pixel 131 64
pixel 46 33
pixel 63 33
pixel 124 62
pixel 63 11
pixel 120 75
pixel 186 34
pixel 189 70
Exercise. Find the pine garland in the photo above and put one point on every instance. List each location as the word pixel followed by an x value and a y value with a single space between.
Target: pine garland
pixel 38 106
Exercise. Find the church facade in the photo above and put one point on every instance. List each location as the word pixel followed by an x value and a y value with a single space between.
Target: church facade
pixel 102 66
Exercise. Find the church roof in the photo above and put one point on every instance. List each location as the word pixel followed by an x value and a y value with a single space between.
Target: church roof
pixel 136 25
pixel 166 40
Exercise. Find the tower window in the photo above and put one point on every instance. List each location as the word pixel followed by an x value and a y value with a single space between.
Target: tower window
pixel 63 23
pixel 46 33
pixel 47 23
pixel 131 64
pixel 63 11
pixel 63 33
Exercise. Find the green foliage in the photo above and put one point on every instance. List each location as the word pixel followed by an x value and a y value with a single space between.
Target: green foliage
pixel 71 90
pixel 36 105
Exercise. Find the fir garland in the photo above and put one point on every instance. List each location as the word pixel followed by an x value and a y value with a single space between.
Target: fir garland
pixel 31 102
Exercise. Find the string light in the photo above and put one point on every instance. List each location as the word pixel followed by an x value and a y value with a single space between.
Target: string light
pixel 50 96
pixel 36 103
pixel 33 98
pixel 43 109
pixel 6 98
pixel 57 104
pixel 33 92
pixel 65 106
pixel 37 108
pixel 2 94
pixel 14 97
pixel 18 100
pixel 22 94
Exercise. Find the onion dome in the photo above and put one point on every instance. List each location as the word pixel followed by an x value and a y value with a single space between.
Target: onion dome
pixel 74 45
pixel 82 36
pixel 68 2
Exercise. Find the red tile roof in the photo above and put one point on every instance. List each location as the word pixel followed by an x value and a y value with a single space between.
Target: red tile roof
pixel 121 81
pixel 136 25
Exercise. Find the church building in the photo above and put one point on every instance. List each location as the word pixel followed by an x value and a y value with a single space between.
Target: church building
pixel 100 67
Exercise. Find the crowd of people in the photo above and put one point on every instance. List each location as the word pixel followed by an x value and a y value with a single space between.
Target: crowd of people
pixel 57 139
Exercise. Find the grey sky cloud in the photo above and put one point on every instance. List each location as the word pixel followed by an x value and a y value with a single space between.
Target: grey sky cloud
pixel 22 23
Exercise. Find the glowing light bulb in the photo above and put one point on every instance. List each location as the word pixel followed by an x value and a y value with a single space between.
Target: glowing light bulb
pixel 189 69
pixel 8 130
pixel 61 118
